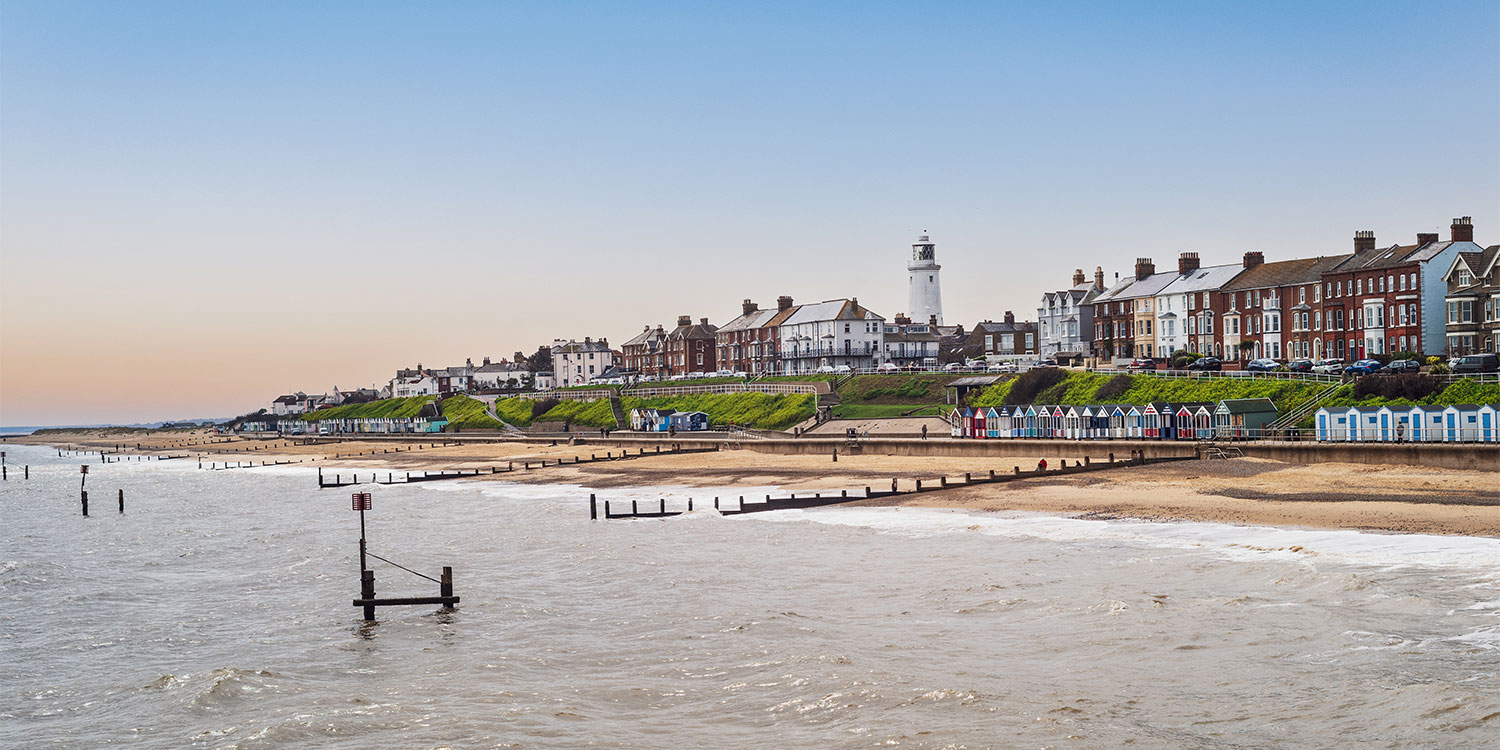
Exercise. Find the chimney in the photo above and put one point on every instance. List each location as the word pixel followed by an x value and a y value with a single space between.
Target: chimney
pixel 1364 241
pixel 932 320
pixel 1254 258
pixel 1078 277
pixel 902 320
pixel 1099 277
pixel 854 301
pixel 1010 317
pixel 1143 268
pixel 684 320
pixel 703 321
pixel 587 340
pixel 1187 263
pixel 604 342
pixel 1426 239
pixel 469 362
pixel 1463 229
pixel 486 360
pixel 748 307
pixel 518 358
pixel 783 303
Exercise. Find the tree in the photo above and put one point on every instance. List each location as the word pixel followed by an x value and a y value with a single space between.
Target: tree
pixel 541 361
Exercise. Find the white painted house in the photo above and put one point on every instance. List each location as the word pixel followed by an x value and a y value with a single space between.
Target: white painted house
pixel 836 333
pixel 578 362
pixel 1178 303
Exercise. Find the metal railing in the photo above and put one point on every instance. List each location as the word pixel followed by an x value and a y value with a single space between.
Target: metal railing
pixel 691 390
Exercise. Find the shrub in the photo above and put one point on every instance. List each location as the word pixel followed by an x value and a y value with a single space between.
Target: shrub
pixel 1027 385
pixel 462 411
pixel 1437 368
pixel 538 408
pixel 1114 388
pixel 1182 358
pixel 1411 387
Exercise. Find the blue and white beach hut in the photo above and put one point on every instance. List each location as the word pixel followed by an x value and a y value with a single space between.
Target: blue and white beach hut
pixel 1461 423
pixel 1117 421
pixel 1489 423
pixel 1425 423
pixel 1134 422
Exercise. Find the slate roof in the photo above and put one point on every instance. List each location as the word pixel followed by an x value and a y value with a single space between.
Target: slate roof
pixel 837 309
pixel 1285 272
pixel 1202 279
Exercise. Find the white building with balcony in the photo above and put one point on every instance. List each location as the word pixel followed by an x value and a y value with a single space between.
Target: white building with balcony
pixel 831 334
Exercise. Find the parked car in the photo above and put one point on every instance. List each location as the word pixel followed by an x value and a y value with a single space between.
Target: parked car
pixel 1141 363
pixel 825 370
pixel 1264 364
pixel 1329 366
pixel 1475 363
pixel 1300 365
pixel 842 370
pixel 1044 363
pixel 1001 367
pixel 1206 364
pixel 888 367
pixel 1363 367
pixel 1400 366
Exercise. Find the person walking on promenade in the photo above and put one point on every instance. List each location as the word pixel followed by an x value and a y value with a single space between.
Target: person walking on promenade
pixel 924 432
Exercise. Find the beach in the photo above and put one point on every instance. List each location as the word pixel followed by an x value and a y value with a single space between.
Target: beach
pixel 1405 499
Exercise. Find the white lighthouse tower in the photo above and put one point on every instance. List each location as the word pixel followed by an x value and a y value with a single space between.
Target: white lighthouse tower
pixel 924 294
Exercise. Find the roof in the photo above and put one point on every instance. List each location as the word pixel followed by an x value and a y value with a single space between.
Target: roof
pixel 837 309
pixel 693 331
pixel 1110 293
pixel 1203 279
pixel 1477 261
pixel 1248 405
pixel 501 367
pixel 581 346
pixel 1285 272
pixel 754 319
pixel 1398 255
pixel 990 326
pixel 1147 287
pixel 974 381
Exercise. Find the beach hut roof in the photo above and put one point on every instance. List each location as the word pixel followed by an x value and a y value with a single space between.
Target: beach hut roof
pixel 1246 405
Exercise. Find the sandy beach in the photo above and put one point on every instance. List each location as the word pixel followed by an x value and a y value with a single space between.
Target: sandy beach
pixel 1242 490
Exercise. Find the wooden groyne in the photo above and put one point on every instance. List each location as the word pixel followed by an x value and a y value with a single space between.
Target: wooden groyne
pixel 510 467
pixel 738 505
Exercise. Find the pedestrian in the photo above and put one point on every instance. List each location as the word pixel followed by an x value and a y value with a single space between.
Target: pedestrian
pixel 672 431
pixel 1400 432
pixel 924 432
pixel 1041 465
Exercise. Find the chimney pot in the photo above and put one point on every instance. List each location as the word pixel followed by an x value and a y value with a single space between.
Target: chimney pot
pixel 1010 317
pixel 684 320
pixel 1463 229
pixel 1099 277
pixel 1364 241
pixel 783 303
pixel 1143 268
pixel 749 307
pixel 1254 258
pixel 932 320
pixel 1187 263
pixel 703 321
pixel 1078 277
pixel 486 360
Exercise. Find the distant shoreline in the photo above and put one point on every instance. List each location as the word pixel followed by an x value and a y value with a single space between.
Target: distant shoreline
pixel 1404 499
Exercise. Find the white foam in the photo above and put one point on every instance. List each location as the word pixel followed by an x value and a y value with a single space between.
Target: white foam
pixel 1234 541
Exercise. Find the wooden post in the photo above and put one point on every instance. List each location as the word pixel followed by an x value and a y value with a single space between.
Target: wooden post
pixel 690 505
pixel 835 455
pixel 1018 471
pixel 28 471
pixel 633 511
pixel 85 494
pixel 593 508
pixel 966 477
pixel 663 506
pixel 445 587
pixel 122 501
pixel 1085 460
pixel 919 485
pixel 1111 457
pixel 716 503
pixel 606 510
pixel 367 591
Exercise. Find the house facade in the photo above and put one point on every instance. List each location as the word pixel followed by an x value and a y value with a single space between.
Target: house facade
pixel 912 345
pixel 834 333
pixel 578 362
pixel 1065 319
pixel 690 346
pixel 646 354
pixel 1004 338
pixel 1472 304
pixel 748 343
pixel 503 374
pixel 1184 315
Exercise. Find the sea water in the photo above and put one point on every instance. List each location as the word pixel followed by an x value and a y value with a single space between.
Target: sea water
pixel 216 612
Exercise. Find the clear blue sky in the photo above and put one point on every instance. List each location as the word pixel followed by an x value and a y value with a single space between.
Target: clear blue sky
pixel 349 187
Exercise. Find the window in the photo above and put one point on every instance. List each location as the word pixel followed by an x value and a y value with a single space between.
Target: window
pixel 1208 324
pixel 1464 279
pixel 1360 287
pixel 989 342
pixel 1402 279
pixel 1452 312
pixel 1302 296
pixel 846 328
pixel 1030 341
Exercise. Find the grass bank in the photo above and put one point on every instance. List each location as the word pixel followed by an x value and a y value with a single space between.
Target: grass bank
pixel 763 411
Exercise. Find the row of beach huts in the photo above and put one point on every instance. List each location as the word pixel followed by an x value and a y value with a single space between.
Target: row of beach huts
pixel 1467 423
pixel 1230 418
pixel 667 420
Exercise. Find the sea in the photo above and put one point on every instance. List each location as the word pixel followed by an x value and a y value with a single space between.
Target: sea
pixel 217 612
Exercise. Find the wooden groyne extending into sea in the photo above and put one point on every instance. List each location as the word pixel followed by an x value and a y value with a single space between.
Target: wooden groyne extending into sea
pixel 819 499
pixel 525 465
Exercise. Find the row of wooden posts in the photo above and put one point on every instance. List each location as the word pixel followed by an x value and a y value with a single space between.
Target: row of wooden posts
pixel 817 499
pixel 427 476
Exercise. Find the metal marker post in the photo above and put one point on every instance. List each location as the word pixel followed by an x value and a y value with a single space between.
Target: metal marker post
pixel 361 503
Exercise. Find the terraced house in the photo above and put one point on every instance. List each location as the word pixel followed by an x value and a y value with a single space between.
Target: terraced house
pixel 646 353
pixel 1184 311
pixel 578 362
pixel 1065 319
pixel 690 346
pixel 835 333
pixel 1473 302
pixel 1393 299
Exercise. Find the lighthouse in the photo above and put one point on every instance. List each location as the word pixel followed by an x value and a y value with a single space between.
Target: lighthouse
pixel 924 294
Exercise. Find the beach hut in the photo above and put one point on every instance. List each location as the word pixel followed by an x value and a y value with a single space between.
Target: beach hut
pixel 1028 426
pixel 955 423
pixel 1249 417
pixel 1364 423
pixel 1073 421
pixel 1322 424
pixel 1424 423
pixel 1203 421
pixel 1154 417
pixel 1117 421
pixel 1096 422
pixel 992 422
pixel 1043 421
pixel 965 419
pixel 1002 421
pixel 1489 423
pixel 689 421
pixel 1180 426
pixel 1460 423
pixel 1135 422
pixel 1017 421
pixel 977 427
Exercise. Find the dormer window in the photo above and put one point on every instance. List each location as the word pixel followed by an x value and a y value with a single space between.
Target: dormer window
pixel 1464 277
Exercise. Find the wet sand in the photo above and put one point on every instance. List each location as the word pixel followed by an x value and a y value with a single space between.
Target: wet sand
pixel 1242 490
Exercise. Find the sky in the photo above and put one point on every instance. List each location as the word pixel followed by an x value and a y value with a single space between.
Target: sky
pixel 205 205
